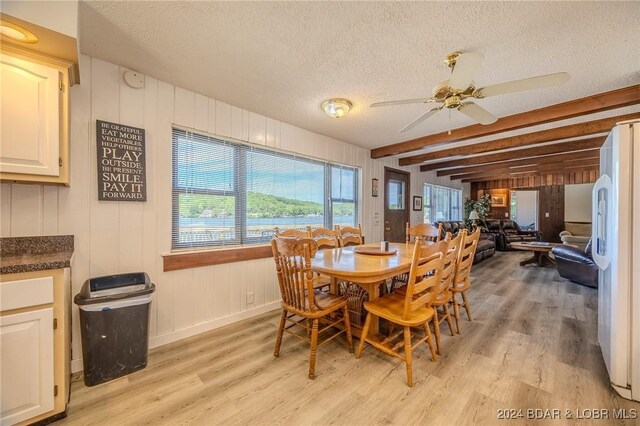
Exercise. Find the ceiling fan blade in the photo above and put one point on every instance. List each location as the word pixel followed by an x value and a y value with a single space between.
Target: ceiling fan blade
pixel 539 82
pixel 476 112
pixel 419 120
pixel 402 102
pixel 464 70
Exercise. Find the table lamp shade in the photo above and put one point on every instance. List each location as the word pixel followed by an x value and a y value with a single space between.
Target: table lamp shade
pixel 473 215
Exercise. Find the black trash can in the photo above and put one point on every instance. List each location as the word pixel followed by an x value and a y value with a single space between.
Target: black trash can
pixel 114 323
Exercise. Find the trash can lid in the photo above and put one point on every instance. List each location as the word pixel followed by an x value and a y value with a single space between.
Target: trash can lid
pixel 114 287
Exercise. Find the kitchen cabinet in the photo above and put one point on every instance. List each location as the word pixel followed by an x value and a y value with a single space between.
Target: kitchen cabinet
pixel 34 345
pixel 34 146
pixel 30 117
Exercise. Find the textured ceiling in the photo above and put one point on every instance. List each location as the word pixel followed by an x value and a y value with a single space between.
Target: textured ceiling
pixel 283 59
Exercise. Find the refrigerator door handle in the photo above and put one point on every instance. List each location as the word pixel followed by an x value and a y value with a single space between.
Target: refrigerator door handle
pixel 601 194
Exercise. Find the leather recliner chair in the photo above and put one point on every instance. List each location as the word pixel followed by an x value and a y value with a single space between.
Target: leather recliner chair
pixel 576 264
pixel 513 234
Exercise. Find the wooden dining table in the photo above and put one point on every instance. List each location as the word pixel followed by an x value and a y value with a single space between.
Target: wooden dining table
pixel 365 270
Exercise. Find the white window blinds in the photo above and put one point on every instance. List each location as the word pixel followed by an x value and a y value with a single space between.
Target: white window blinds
pixel 228 193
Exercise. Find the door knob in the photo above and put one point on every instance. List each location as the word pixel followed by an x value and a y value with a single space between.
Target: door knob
pixel 387 229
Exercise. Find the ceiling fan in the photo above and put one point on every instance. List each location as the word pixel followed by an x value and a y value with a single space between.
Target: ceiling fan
pixel 452 93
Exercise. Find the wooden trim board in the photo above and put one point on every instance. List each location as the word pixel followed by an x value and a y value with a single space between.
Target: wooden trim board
pixel 588 105
pixel 195 259
pixel 583 144
pixel 565 132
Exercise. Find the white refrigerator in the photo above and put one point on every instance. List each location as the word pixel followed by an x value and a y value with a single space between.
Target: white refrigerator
pixel 616 251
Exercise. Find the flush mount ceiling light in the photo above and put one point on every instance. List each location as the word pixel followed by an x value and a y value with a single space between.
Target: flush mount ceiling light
pixel 337 108
pixel 16 32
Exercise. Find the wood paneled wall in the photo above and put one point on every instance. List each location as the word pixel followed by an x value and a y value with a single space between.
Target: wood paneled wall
pixel 550 200
pixel 116 237
pixel 536 181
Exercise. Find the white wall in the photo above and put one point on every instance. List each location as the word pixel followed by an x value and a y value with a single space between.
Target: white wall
pixel 526 208
pixel 115 237
pixel 577 202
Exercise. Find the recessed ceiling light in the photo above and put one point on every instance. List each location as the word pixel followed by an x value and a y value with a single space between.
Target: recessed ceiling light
pixel 16 32
pixel 337 108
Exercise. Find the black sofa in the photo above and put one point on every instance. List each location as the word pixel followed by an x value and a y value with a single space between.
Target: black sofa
pixel 507 231
pixel 576 264
pixel 486 245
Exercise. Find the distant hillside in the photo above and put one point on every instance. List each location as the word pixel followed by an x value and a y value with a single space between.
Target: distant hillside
pixel 258 205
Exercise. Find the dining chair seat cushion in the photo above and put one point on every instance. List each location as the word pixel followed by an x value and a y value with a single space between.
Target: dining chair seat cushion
pixel 391 308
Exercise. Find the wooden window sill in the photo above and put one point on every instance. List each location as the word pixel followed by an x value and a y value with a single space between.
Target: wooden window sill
pixel 196 259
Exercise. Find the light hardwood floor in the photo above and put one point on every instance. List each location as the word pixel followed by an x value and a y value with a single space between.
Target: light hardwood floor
pixel 532 345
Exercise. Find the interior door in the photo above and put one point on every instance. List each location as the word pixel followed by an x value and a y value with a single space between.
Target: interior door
pixel 396 204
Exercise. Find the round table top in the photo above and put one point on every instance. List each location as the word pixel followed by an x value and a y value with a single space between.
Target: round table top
pixel 534 246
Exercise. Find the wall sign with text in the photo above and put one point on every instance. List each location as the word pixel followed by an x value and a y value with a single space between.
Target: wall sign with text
pixel 121 162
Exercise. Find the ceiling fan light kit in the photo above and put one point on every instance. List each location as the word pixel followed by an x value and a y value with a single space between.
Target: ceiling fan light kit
pixel 460 86
pixel 337 107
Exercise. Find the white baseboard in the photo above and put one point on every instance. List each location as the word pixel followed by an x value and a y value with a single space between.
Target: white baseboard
pixel 164 339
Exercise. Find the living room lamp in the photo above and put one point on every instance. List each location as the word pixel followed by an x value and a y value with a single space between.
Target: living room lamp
pixel 474 216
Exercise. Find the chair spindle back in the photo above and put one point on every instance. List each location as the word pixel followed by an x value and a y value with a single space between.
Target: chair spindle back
pixel 293 265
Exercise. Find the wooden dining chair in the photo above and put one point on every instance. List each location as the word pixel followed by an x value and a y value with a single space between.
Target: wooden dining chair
pixel 424 231
pixel 412 310
pixel 349 236
pixel 326 238
pixel 442 293
pixel 302 305
pixel 291 233
pixel 462 276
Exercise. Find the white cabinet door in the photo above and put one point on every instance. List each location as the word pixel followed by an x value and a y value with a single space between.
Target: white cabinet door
pixel 26 362
pixel 29 118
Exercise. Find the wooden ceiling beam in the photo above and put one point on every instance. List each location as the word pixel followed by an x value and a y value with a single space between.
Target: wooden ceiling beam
pixel 556 148
pixel 568 156
pixel 567 165
pixel 525 175
pixel 571 131
pixel 588 105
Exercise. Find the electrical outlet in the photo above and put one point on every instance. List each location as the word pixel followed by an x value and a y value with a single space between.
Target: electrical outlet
pixel 250 298
pixel 506 214
pixel 546 214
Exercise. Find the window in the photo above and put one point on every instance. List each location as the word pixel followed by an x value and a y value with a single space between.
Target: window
pixel 442 203
pixel 227 193
pixel 396 194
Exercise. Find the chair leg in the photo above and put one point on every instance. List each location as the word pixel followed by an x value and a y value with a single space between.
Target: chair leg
pixel 283 320
pixel 466 305
pixel 447 315
pixel 436 329
pixel 347 326
pixel 434 356
pixel 314 348
pixel 456 312
pixel 407 355
pixel 363 336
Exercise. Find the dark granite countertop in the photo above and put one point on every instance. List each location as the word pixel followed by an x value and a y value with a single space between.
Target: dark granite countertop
pixel 27 254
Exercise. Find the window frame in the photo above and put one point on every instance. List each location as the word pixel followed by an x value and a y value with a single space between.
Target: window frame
pixel 429 202
pixel 239 191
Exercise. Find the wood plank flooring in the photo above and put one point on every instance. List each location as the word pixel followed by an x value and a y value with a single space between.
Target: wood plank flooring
pixel 532 345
